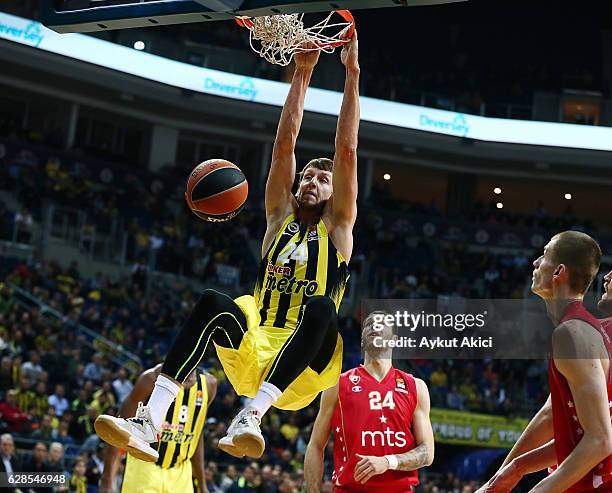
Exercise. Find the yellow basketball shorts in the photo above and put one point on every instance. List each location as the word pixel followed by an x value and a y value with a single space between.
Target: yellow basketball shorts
pixel 147 477
pixel 247 367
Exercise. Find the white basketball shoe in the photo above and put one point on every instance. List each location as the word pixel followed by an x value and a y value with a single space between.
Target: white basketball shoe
pixel 132 434
pixel 244 436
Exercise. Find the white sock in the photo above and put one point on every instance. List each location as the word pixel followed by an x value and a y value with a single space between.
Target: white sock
pixel 268 394
pixel 164 393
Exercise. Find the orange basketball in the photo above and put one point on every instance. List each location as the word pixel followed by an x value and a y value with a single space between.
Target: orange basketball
pixel 216 190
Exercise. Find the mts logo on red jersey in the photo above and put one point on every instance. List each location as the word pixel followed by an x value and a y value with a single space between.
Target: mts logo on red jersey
pixel 379 438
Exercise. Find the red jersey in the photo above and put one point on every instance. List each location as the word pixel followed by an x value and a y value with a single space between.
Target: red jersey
pixel 373 418
pixel 566 425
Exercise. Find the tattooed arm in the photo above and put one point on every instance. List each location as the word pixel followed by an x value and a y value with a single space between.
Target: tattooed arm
pixel 420 456
pixel 415 459
pixel 423 453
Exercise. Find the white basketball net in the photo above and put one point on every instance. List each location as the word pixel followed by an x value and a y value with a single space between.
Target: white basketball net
pixel 278 37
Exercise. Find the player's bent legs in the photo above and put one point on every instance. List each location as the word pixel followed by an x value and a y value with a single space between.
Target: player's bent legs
pixel 321 373
pixel 146 477
pixel 312 343
pixel 280 367
pixel 216 316
pixel 327 349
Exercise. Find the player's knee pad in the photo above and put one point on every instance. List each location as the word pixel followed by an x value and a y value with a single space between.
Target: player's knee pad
pixel 320 310
pixel 211 302
pixel 324 303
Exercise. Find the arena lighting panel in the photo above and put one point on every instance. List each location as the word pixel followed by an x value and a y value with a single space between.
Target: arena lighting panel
pixel 127 60
pixel 73 16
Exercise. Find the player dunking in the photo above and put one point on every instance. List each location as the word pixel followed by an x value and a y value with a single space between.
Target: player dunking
pixel 280 346
pixel 572 431
pixel 380 419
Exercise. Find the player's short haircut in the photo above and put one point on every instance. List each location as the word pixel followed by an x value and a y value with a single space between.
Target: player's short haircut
pixel 322 163
pixel 581 254
pixel 378 314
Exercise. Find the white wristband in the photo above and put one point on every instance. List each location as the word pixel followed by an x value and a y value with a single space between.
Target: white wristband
pixel 392 460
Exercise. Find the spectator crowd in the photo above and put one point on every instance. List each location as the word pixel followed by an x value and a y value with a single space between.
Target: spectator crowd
pixel 56 379
pixel 55 382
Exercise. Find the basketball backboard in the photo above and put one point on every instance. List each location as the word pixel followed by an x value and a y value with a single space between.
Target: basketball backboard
pixel 65 16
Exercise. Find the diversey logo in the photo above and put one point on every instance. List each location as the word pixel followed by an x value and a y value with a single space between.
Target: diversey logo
pixel 458 125
pixel 246 89
pixel 30 35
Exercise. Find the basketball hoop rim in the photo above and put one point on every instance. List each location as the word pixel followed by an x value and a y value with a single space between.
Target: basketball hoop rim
pixel 348 17
pixel 248 23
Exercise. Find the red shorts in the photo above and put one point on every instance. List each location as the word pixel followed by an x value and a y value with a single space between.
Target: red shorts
pixel 365 489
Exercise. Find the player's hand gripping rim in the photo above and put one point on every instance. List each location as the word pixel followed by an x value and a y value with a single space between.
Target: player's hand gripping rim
pixel 349 56
pixel 308 58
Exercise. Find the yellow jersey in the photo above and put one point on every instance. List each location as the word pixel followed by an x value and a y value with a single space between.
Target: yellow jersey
pixel 183 424
pixel 302 262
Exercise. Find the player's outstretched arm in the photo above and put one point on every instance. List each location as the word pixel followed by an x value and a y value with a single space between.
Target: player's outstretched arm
pixel 509 475
pixel 538 432
pixel 197 460
pixel 282 170
pixel 140 393
pixel 315 452
pixel 344 175
pixel 420 456
pixel 587 382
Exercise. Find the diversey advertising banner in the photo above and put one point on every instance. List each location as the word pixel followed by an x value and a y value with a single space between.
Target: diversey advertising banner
pixel 482 430
pixel 208 81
